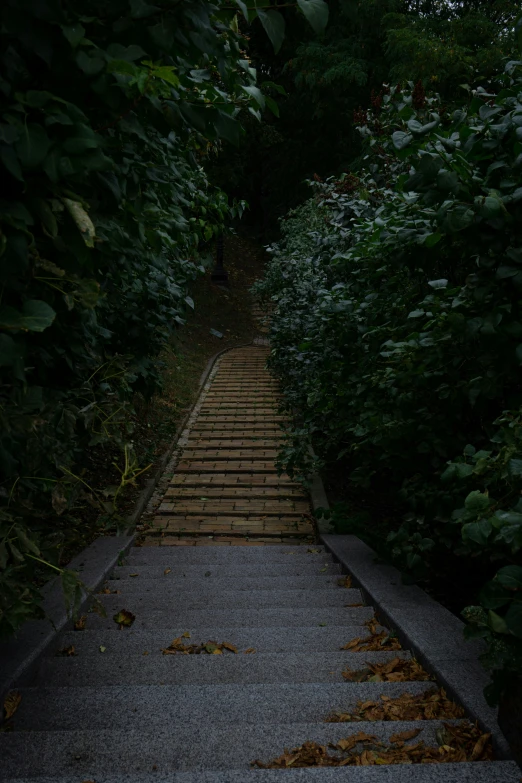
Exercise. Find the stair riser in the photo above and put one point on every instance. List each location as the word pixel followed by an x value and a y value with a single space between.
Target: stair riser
pixel 472 772
pixel 263 640
pixel 234 571
pixel 158 669
pixel 143 585
pixel 154 706
pixel 240 618
pixel 164 598
pixel 187 747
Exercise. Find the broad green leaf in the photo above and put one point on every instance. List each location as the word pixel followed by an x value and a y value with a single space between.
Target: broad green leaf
pixel 228 128
pixel 497 623
pixel 274 25
pixel 437 284
pixel 129 53
pixel 510 577
pixel 10 352
pixel 513 619
pixel 459 218
pixel 478 532
pixel 256 94
pixel 11 161
pixel 74 33
pixel 316 12
pixel 32 146
pixel 272 105
pixel 515 467
pixel 36 316
pixel 89 65
pixel 140 9
pixel 401 139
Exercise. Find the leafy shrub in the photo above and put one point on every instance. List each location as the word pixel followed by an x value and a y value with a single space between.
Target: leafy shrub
pixel 107 112
pixel 398 334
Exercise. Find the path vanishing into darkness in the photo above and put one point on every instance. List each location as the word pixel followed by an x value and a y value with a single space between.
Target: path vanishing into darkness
pixel 232 640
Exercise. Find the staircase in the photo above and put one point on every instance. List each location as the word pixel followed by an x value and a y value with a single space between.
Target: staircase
pixel 227 563
pixel 119 709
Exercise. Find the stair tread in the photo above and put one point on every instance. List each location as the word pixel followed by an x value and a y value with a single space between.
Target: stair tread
pixel 266 639
pixel 189 746
pixel 241 617
pixel 155 668
pixel 465 772
pixel 98 707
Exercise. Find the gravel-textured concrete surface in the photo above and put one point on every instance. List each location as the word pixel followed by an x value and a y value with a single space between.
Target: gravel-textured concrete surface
pixel 223 555
pixel 204 596
pixel 127 706
pixel 178 615
pixel 204 669
pixel 18 655
pixel 181 747
pixel 144 585
pixel 482 772
pixel 429 629
pixel 243 570
pixel 280 639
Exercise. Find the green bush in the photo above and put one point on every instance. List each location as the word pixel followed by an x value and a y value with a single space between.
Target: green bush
pixel 107 113
pixel 398 332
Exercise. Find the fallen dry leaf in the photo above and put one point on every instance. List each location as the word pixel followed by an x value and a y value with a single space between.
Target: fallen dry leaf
pixel 177 647
pixel 11 703
pixel 345 581
pixel 403 736
pixel 79 625
pixel 67 651
pixel 375 641
pixel 124 618
pixel 167 571
pixel 432 704
pixel 133 574
pixel 314 551
pixel 396 670
pixel 250 650
pixel 361 749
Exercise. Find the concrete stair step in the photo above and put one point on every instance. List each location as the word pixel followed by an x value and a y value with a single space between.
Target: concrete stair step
pixel 164 597
pixel 239 480
pixel 142 584
pixel 126 706
pixel 95 754
pixel 253 555
pixel 243 465
pixel 237 617
pixel 264 640
pixel 159 669
pixel 470 772
pixel 236 506
pixel 234 492
pixel 231 571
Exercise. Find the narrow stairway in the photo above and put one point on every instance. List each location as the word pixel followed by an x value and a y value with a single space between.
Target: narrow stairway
pixel 267 615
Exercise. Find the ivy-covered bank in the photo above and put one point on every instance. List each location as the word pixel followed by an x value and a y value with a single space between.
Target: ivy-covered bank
pixel 107 112
pixel 397 335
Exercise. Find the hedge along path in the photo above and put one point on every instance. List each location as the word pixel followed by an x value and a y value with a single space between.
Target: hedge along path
pixel 225 489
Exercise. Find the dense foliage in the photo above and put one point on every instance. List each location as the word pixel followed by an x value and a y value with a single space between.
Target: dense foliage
pixel 442 42
pixel 398 334
pixel 107 111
